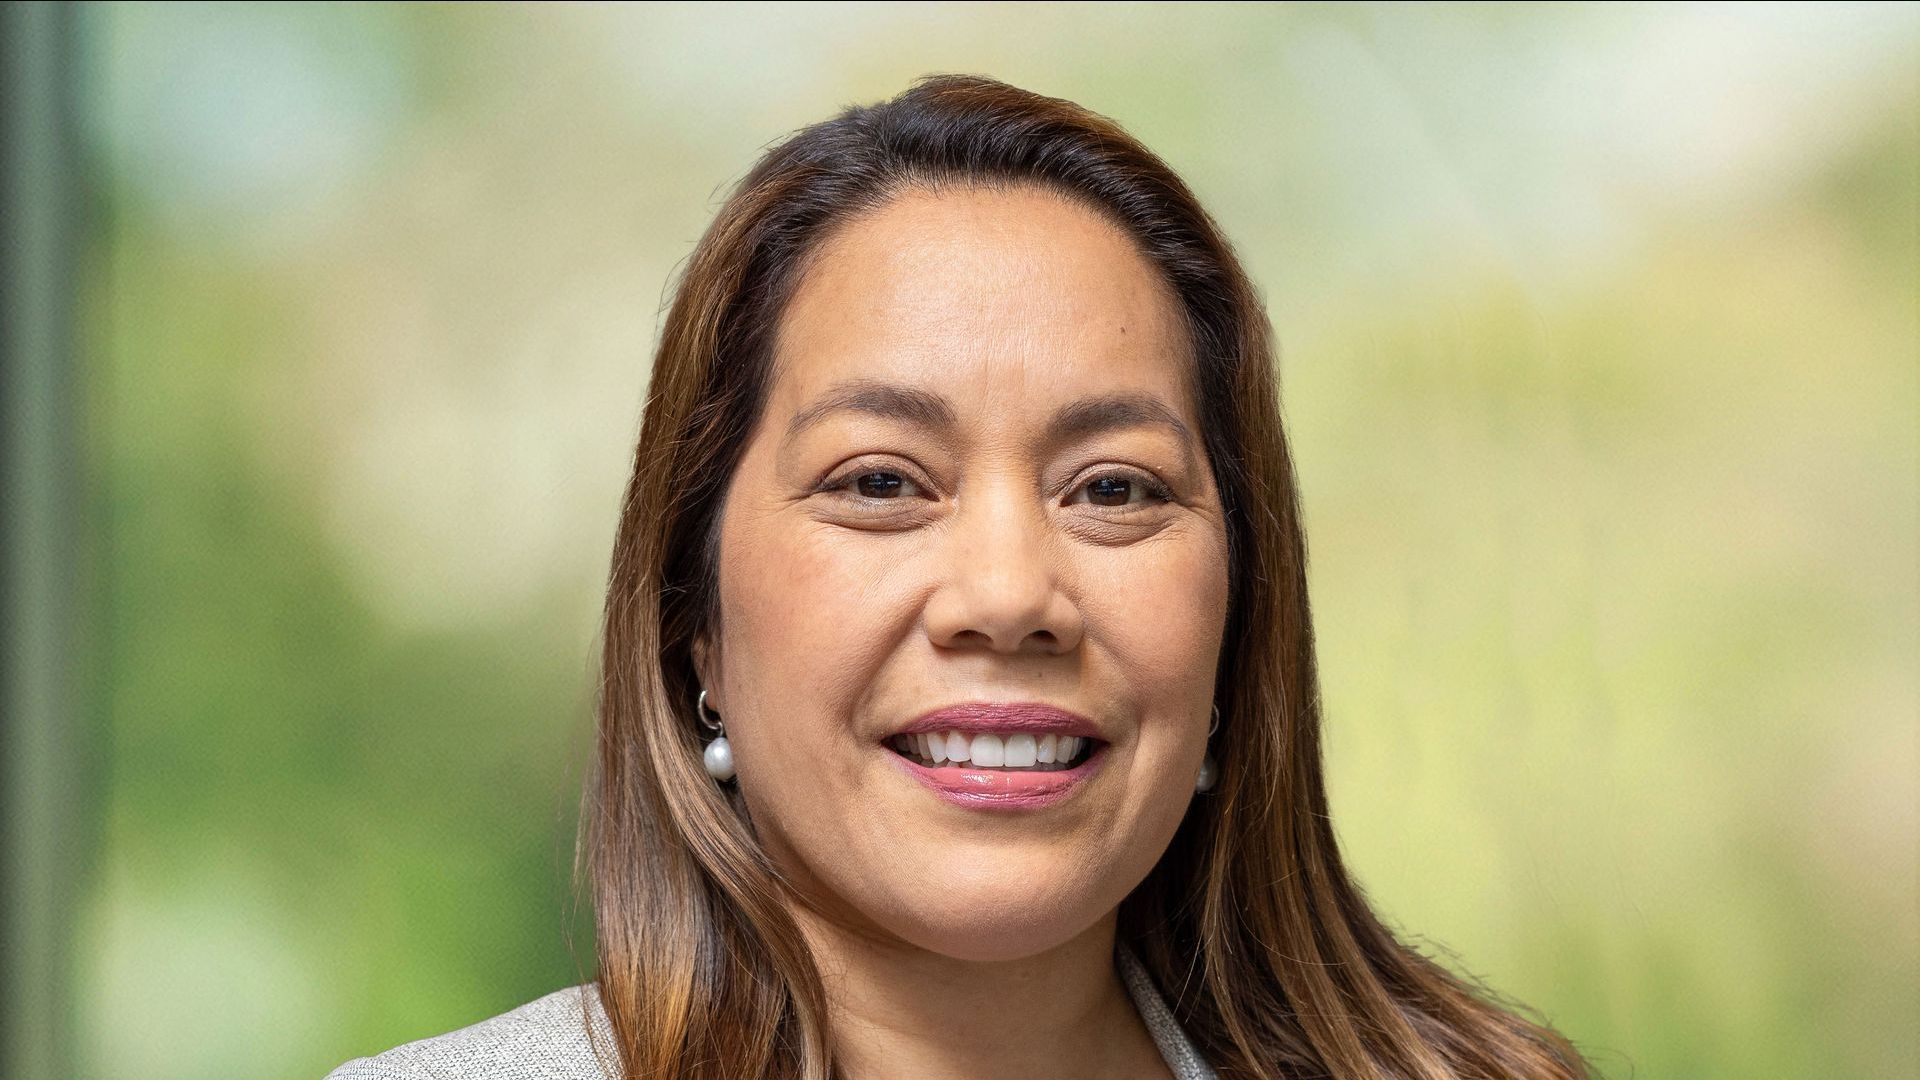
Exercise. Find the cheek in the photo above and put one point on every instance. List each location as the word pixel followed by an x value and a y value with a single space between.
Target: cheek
pixel 777 595
pixel 1160 609
pixel 1160 621
pixel 810 617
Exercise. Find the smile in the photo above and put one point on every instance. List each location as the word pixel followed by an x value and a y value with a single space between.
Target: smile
pixel 991 778
pixel 995 750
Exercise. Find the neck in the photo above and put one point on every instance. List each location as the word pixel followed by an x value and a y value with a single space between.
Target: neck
pixel 896 1010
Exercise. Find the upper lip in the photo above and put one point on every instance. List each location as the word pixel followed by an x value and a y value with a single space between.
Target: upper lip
pixel 1029 716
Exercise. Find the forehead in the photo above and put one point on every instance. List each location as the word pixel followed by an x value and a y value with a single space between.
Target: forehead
pixel 1009 297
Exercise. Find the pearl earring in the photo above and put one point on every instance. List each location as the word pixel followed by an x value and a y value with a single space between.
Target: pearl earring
pixel 1209 772
pixel 719 753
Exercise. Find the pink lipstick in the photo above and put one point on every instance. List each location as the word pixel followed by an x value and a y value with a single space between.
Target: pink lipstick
pixel 1012 756
pixel 1028 716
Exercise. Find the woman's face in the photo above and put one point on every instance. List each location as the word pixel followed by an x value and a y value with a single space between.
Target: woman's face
pixel 954 498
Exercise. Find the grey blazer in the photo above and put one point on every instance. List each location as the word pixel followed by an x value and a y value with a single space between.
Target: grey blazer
pixel 549 1039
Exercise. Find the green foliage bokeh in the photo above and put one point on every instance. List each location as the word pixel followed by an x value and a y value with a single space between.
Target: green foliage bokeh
pixel 1599 355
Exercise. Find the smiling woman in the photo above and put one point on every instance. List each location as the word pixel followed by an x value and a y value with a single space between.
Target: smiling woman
pixel 963 525
pixel 977 554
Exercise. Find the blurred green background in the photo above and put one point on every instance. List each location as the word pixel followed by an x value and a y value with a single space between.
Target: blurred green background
pixel 1598 330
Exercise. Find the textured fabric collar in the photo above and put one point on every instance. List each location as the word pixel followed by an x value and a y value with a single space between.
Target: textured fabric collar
pixel 1175 1048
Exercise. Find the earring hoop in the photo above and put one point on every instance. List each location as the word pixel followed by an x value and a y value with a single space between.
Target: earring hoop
pixel 718 756
pixel 1209 769
pixel 700 709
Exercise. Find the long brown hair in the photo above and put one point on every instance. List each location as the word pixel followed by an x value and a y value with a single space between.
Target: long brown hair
pixel 1267 951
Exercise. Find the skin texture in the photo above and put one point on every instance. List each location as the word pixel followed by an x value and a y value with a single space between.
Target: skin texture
pixel 983 564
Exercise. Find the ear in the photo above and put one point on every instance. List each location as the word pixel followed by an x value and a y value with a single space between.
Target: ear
pixel 706 667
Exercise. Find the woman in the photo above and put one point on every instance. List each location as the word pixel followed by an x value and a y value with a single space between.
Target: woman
pixel 958 713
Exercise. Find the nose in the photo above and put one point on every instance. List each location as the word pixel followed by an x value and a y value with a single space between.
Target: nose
pixel 1003 582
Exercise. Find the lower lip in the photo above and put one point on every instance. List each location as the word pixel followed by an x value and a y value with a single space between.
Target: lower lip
pixel 1001 789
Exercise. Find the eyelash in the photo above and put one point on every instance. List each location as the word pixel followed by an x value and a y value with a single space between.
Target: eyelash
pixel 1156 490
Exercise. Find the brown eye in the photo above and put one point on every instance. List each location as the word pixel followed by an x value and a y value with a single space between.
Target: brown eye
pixel 1110 491
pixel 1119 489
pixel 880 485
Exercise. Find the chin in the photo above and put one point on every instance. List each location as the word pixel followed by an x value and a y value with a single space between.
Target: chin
pixel 993 914
pixel 989 943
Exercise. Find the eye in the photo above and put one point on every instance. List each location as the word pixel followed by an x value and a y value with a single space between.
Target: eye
pixel 880 485
pixel 1118 489
pixel 874 484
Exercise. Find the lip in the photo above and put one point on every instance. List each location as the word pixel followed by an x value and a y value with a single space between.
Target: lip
pixel 1002 789
pixel 1028 716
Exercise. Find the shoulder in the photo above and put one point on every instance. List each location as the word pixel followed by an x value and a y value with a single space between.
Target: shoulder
pixel 562 1036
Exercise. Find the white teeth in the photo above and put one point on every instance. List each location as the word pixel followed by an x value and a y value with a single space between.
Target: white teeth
pixel 993 750
pixel 1021 751
pixel 988 750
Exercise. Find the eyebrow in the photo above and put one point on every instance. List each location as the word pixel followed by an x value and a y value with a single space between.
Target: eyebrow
pixel 928 409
